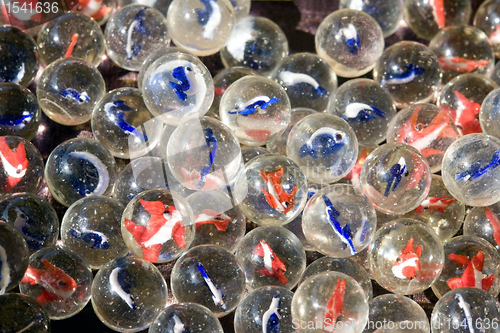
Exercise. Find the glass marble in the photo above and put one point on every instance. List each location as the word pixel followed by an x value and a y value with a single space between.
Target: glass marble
pixel 99 10
pixel 487 18
pixel 396 178
pixel 466 310
pixel 462 50
pixel 330 301
pixel 160 52
pixel 222 81
pixel 247 152
pixel 470 261
pixel 440 211
pixel 338 221
pixel 71 35
pixel 324 146
pixel 200 27
pixel 354 175
pixel 343 265
pixel 186 317
pixel 410 72
pixel 470 170
pixel 396 311
pixel 351 41
pixel 133 33
pixel 211 276
pixel 406 256
pixel 426 18
pixel 426 127
pixel 18 56
pixel 79 168
pixel 158 225
pixel 257 43
pixel 21 166
pixel 20 113
pixel 203 154
pixel 128 294
pixel 141 174
pixel 122 123
pixel 241 8
pixel 490 112
pixel 14 253
pixel 309 81
pixel 21 313
pixel 271 190
pixel 68 90
pixel 91 227
pixel 366 106
pixel 266 309
pixel 177 85
pixel 483 222
pixel 461 98
pixel 388 14
pixel 33 216
pixel 217 221
pixel 160 5
pixel 59 279
pixel 271 256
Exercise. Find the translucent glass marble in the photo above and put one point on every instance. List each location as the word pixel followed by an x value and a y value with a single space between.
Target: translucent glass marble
pixel 351 41
pixel 469 262
pixel 324 146
pixel 71 35
pixel 266 309
pixel 470 170
pixel 122 122
pixel 330 301
pixel 461 98
pixel 396 178
pixel 462 50
pixel 406 256
pixel 366 106
pixel 396 311
pixel 338 221
pixel 241 8
pixel 487 18
pixel 200 27
pixel 158 225
pixel 18 56
pixel 256 109
pixel 211 276
pixel 271 256
pixel 257 43
pixel 466 310
pixel 20 113
pixel 79 168
pixel 440 211
pixel 186 317
pixel 343 265
pixel 409 71
pixel 490 112
pixel 33 217
pixel 21 166
pixel 144 173
pixel 203 154
pixel 14 255
pixel 133 33
pixel 99 10
pixel 59 279
pixel 160 52
pixel 128 294
pixel 426 127
pixel 483 222
pixel 388 14
pixel 68 90
pixel 21 313
pixel 177 85
pixel 271 190
pixel 91 227
pixel 309 81
pixel 217 221
pixel 426 18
